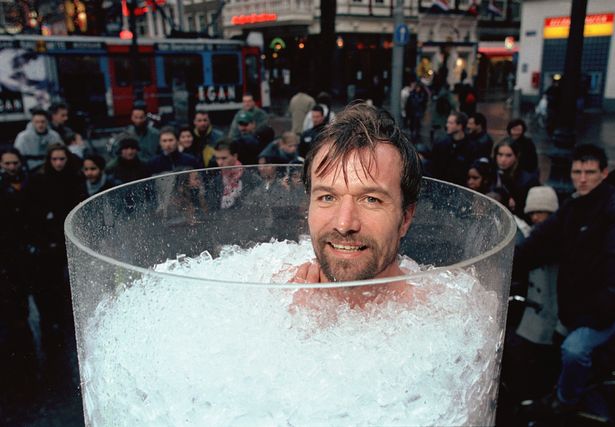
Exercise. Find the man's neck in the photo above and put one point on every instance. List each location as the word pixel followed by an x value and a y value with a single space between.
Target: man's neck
pixel 458 136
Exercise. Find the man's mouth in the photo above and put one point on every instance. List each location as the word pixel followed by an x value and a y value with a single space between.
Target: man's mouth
pixel 349 248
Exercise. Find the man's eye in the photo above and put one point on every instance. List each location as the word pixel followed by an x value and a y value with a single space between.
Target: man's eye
pixel 326 198
pixel 372 200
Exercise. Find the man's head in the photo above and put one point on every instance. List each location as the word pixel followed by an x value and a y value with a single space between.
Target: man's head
pixel 128 146
pixel 540 203
pixel 516 128
pixel 225 153
pixel 246 122
pixel 589 168
pixel 363 179
pixel 93 167
pixel 289 143
pixel 477 123
pixel 247 102
pixel 58 158
pixel 59 113
pixel 138 117
pixel 10 161
pixel 168 140
pixel 456 124
pixel 201 121
pixel 318 115
pixel 39 120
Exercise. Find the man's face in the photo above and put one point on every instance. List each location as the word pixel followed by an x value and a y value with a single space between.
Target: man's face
pixel 39 122
pixel 586 176
pixel 138 118
pixel 516 132
pixel 317 118
pixel 225 158
pixel 58 160
pixel 60 117
pixel 266 172
pixel 356 226
pixel 201 122
pixel 91 171
pixel 168 143
pixel 247 103
pixel 247 128
pixel 128 153
pixel 10 163
pixel 473 128
pixel 452 127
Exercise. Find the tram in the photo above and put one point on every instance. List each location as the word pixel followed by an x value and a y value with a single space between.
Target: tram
pixel 98 76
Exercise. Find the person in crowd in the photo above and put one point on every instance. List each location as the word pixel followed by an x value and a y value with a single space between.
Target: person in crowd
pixel 171 159
pixel 17 358
pixel 96 180
pixel 282 151
pixel 205 137
pixel 553 95
pixel 147 135
pixel 580 237
pixel 528 159
pixel 362 178
pixel 248 106
pixel 467 98
pixel 452 155
pixel 32 142
pixel 58 114
pixel 127 166
pixel 300 104
pixel 231 186
pixel 309 136
pixel 442 107
pixel 506 156
pixel 324 100
pixel 52 193
pixel 76 145
pixel 415 107
pixel 248 147
pixel 187 145
pixel 481 175
pixel 478 136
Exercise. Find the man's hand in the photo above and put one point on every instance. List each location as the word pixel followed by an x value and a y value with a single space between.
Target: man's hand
pixel 310 272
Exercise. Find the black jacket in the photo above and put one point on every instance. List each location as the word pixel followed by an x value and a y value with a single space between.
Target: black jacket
pixel 580 237
pixel 124 171
pixel 171 162
pixel 528 159
pixel 450 159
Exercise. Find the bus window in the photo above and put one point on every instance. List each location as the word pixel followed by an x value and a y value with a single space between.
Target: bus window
pixel 124 70
pixel 187 69
pixel 225 68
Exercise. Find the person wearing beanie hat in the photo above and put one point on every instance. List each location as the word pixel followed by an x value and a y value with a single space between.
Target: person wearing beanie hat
pixel 540 203
pixel 127 166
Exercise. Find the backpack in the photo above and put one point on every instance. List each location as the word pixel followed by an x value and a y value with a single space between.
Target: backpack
pixel 443 106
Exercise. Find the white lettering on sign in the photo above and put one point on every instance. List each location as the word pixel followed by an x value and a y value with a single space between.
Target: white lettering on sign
pixel 217 93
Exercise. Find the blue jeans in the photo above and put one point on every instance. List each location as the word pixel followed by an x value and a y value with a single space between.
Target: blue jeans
pixel 577 351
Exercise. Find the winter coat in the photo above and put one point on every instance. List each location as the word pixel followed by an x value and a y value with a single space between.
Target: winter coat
pixel 124 171
pixel 450 159
pixel 172 162
pixel 33 145
pixel 149 142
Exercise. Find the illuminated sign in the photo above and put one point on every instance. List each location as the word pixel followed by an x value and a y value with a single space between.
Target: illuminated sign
pixel 150 4
pixel 595 26
pixel 255 18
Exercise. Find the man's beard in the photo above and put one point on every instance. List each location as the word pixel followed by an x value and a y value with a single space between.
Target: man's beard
pixel 344 270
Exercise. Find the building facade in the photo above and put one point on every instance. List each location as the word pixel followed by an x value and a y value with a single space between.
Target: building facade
pixel 544 32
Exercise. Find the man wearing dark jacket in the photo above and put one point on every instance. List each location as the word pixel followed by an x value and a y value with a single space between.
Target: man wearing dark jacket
pixel 477 134
pixel 127 166
pixel 171 159
pixel 580 237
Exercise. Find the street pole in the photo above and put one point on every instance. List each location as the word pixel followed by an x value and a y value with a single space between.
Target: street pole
pixel 137 90
pixel 397 66
pixel 180 15
pixel 564 135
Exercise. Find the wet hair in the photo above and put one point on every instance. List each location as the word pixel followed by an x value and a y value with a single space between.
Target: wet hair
pixel 460 118
pixel 168 129
pixel 57 106
pixel 514 123
pixel 588 153
pixel 226 144
pixel 98 160
pixel 480 120
pixel 360 128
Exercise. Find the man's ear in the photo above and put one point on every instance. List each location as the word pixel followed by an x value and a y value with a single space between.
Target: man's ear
pixel 407 219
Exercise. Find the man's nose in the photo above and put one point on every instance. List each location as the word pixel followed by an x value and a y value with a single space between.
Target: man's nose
pixel 348 220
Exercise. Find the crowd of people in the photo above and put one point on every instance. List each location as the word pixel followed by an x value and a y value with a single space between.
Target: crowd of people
pixel 50 170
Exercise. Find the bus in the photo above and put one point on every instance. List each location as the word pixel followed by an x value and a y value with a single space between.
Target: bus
pixel 99 78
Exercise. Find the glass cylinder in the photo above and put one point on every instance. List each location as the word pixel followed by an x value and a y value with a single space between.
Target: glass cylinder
pixel 185 315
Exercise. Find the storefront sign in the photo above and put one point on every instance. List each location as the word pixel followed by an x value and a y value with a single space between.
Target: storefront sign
pixel 595 26
pixel 254 18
